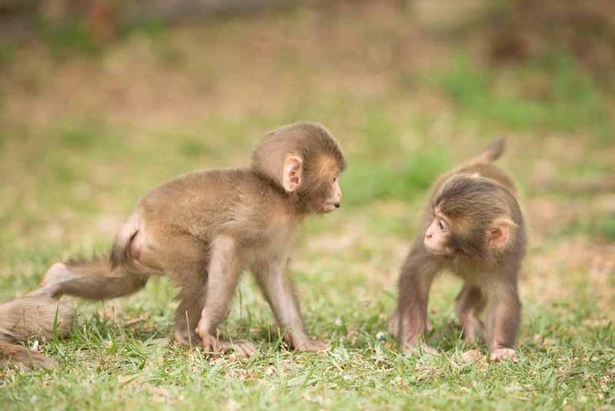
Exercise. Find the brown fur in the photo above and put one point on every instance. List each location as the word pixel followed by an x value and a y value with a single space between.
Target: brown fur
pixel 479 203
pixel 204 228
pixel 27 317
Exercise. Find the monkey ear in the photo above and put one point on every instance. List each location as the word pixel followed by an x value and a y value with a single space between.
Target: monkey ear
pixel 293 173
pixel 498 235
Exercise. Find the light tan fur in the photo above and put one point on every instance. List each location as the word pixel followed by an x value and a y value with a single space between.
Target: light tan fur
pixel 474 228
pixel 204 228
pixel 28 317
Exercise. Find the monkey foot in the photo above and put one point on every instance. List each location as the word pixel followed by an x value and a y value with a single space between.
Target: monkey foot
pixel 56 274
pixel 188 340
pixel 500 354
pixel 218 346
pixel 310 345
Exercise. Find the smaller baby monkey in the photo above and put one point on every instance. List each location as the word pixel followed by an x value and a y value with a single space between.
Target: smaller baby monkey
pixel 27 317
pixel 473 227
pixel 204 228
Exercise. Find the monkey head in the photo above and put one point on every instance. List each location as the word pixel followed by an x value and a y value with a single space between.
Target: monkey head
pixel 305 161
pixel 438 235
pixel 473 216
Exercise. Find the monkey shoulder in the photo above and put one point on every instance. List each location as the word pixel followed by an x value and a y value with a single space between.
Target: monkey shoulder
pixel 264 204
pixel 205 203
pixel 196 189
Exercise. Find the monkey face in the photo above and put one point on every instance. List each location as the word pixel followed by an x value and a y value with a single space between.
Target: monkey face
pixel 438 235
pixel 320 191
pixel 334 199
pixel 322 194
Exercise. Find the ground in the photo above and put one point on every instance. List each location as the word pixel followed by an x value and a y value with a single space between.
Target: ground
pixel 85 131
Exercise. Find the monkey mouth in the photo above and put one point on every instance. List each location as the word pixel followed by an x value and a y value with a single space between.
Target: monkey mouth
pixel 331 206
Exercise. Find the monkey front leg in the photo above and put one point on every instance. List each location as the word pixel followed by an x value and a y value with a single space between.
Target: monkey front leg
pixel 278 291
pixel 414 285
pixel 223 276
pixel 412 312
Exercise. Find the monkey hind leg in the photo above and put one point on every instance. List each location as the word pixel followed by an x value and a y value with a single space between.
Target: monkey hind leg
pixel 188 315
pixel 469 304
pixel 91 279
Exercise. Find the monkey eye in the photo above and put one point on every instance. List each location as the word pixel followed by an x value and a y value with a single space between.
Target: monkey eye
pixel 441 226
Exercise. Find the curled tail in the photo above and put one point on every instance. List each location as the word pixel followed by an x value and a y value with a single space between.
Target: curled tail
pixel 492 152
pixel 120 250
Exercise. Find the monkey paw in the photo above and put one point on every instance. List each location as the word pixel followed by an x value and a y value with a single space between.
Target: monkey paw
pixel 500 354
pixel 56 274
pixel 218 346
pixel 310 345
pixel 182 337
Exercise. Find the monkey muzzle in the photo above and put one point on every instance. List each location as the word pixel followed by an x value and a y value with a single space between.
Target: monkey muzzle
pixel 331 206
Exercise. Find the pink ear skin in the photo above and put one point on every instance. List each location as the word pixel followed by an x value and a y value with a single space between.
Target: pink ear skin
pixel 499 233
pixel 293 172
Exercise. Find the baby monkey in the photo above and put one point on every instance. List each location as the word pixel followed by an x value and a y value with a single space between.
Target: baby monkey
pixel 474 228
pixel 203 229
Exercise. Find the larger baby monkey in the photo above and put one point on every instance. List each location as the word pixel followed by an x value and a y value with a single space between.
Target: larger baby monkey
pixel 474 228
pixel 203 229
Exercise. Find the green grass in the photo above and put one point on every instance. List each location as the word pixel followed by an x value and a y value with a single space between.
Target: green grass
pixel 562 99
pixel 70 173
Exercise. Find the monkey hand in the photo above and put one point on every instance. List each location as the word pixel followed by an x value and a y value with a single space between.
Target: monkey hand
pixel 310 345
pixel 500 354
pixel 187 339
pixel 216 345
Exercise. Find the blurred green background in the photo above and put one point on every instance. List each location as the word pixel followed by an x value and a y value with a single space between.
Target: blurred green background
pixel 102 100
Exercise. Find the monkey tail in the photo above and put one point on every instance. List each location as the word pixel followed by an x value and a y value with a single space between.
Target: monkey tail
pixel 120 255
pixel 101 277
pixel 492 152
